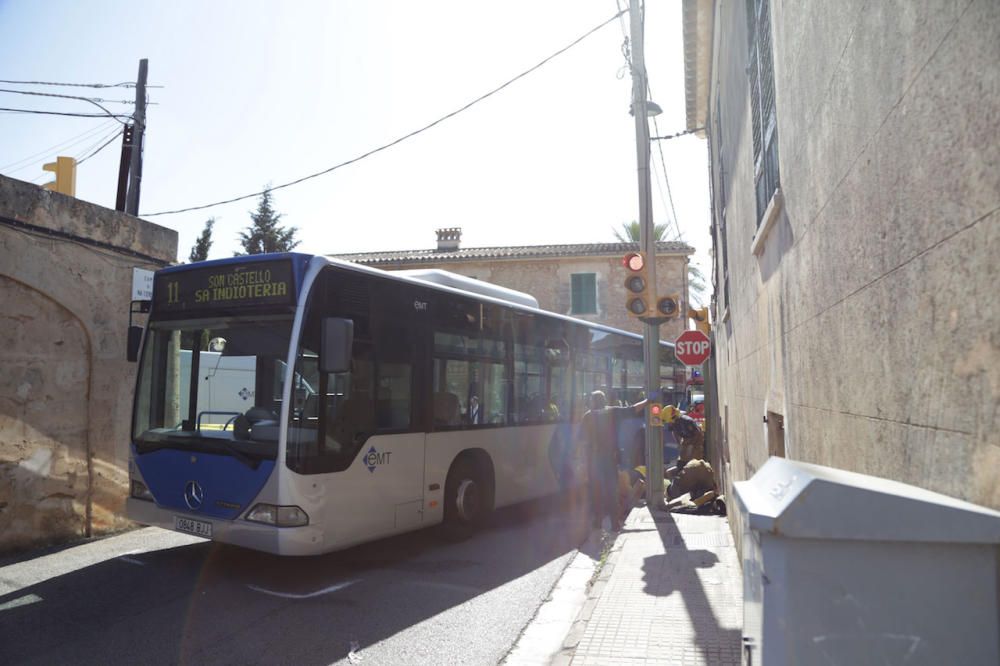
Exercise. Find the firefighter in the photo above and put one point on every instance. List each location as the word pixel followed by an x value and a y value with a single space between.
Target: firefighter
pixel 690 438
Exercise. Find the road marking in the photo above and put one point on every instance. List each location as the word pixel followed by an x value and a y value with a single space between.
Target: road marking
pixel 308 595
pixel 21 601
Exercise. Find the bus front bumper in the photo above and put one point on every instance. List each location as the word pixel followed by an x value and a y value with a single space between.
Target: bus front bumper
pixel 306 540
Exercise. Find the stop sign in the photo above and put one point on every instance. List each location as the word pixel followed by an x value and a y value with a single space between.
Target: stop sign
pixel 692 347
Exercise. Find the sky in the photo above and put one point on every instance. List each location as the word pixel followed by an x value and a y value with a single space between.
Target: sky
pixel 257 93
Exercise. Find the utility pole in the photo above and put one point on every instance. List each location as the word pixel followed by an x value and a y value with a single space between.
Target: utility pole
pixel 139 129
pixel 123 164
pixel 647 244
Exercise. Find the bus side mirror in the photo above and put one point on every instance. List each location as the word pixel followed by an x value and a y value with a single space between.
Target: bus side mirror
pixel 335 346
pixel 134 339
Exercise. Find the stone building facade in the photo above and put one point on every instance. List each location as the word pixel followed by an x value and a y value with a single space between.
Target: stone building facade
pixel 584 280
pixel 66 388
pixel 855 169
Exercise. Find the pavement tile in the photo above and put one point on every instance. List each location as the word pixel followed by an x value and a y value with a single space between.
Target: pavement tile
pixel 671 592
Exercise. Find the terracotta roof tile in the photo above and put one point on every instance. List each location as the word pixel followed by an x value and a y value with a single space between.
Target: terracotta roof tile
pixel 507 252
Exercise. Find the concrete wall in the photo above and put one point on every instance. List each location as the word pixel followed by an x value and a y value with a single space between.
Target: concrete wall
pixel 549 281
pixel 65 387
pixel 870 322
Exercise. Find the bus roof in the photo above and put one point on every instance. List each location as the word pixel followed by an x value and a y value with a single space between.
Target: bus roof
pixel 402 276
pixel 514 299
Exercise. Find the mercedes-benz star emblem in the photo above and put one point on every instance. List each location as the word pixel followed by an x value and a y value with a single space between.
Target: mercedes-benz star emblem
pixel 194 495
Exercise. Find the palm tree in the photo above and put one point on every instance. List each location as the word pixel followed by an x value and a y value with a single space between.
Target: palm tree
pixel 629 233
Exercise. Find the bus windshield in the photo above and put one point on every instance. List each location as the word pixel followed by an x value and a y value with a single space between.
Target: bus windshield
pixel 213 385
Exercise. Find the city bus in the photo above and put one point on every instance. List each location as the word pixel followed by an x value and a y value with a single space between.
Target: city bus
pixel 299 404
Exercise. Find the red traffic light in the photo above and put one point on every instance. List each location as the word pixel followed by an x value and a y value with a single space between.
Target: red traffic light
pixel 634 261
pixel 655 409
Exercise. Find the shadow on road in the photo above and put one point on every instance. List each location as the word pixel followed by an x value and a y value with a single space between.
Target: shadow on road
pixel 211 603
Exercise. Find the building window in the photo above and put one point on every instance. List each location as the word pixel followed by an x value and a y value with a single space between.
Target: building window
pixel 584 293
pixel 721 208
pixel 762 106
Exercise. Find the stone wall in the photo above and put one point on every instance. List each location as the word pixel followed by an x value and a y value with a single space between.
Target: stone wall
pixel 869 323
pixel 66 388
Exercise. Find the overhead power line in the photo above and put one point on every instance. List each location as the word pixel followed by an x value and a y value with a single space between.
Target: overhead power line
pixel 76 97
pixel 25 162
pixel 117 133
pixel 116 116
pixel 666 179
pixel 400 139
pixel 123 84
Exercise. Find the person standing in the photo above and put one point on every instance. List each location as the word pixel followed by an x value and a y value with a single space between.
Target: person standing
pixel 600 432
pixel 474 413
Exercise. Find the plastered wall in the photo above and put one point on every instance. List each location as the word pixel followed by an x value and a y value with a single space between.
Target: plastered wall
pixel 870 320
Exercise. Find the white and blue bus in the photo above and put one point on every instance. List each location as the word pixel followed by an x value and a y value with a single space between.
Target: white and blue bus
pixel 298 404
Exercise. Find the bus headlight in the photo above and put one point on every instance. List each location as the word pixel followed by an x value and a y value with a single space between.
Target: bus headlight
pixel 140 491
pixel 279 516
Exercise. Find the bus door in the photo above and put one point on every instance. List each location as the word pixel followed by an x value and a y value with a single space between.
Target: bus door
pixel 368 443
pixel 396 452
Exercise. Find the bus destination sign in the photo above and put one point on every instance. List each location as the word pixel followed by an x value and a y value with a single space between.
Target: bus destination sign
pixel 237 285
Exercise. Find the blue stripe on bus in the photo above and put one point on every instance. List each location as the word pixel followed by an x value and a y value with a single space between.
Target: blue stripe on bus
pixel 228 485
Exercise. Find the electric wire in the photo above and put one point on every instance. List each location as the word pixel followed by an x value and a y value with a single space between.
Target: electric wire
pixel 663 197
pixel 123 84
pixel 400 139
pixel 117 133
pixel 628 64
pixel 76 97
pixel 115 116
pixel 666 179
pixel 72 141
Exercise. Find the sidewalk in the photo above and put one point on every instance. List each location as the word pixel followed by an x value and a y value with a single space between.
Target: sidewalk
pixel 670 592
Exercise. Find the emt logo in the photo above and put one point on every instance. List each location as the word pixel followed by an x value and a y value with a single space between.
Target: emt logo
pixel 373 459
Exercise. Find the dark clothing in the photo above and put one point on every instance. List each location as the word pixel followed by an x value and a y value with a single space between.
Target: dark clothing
pixel 690 439
pixel 600 432
pixel 684 426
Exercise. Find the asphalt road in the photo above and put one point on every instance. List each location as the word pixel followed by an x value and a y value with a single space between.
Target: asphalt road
pixel 158 597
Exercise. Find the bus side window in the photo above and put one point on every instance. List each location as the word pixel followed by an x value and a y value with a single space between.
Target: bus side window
pixel 349 416
pixel 470 363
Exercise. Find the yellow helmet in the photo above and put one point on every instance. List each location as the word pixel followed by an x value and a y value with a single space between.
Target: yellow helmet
pixel 670 413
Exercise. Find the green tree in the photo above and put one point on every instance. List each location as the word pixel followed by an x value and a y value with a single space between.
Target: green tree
pixel 629 233
pixel 264 234
pixel 204 243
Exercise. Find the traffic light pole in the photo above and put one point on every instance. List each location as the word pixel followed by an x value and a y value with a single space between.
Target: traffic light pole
pixel 647 243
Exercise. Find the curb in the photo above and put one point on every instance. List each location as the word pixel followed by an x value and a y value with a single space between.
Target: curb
pixel 565 655
pixel 554 618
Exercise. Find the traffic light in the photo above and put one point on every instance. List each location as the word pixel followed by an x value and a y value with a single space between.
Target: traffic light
pixel 655 415
pixel 65 171
pixel 700 319
pixel 638 291
pixel 669 307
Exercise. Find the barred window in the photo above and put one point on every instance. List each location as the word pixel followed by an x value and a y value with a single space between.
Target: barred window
pixel 762 106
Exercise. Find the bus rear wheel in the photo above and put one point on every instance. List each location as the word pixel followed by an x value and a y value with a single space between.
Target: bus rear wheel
pixel 468 499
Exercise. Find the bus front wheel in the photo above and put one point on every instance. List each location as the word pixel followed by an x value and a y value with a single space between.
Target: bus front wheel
pixel 467 499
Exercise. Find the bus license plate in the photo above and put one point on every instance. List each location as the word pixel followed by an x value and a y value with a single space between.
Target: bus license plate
pixel 196 527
